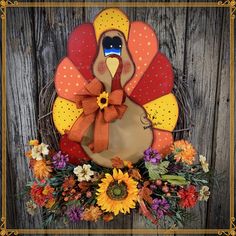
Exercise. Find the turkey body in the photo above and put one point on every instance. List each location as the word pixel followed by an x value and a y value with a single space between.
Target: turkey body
pixel 127 138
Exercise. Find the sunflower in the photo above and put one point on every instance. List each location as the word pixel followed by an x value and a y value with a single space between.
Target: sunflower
pixel 102 100
pixel 42 169
pixel 117 193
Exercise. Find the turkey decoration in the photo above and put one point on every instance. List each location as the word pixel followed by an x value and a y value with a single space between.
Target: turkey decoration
pixel 114 92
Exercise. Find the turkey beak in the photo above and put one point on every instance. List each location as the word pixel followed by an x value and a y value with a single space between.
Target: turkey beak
pixel 112 65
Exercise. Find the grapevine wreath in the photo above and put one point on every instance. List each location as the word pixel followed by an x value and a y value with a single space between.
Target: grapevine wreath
pixel 108 146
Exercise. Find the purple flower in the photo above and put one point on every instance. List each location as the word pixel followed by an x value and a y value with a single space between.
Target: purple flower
pixel 75 214
pixel 160 206
pixel 152 156
pixel 60 160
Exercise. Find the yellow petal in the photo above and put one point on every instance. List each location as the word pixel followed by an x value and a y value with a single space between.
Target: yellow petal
pixel 65 113
pixel 111 19
pixel 163 112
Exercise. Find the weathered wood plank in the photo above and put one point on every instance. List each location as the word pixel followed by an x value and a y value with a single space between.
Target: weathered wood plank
pixel 219 203
pixel 51 29
pixel 21 113
pixel 35 50
pixel 203 42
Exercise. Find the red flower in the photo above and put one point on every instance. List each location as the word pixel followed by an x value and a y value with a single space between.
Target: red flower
pixel 41 194
pixel 188 197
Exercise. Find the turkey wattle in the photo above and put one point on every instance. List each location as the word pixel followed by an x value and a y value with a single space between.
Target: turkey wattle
pixel 123 57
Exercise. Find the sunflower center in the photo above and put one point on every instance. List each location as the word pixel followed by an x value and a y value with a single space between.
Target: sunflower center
pixel 117 191
pixel 102 100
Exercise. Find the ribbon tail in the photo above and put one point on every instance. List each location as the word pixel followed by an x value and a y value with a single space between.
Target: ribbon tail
pixel 146 212
pixel 101 134
pixel 80 127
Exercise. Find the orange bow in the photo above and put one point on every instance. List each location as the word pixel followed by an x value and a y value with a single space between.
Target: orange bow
pixel 100 108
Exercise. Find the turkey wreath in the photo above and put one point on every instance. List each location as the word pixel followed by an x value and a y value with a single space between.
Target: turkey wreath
pixel 108 140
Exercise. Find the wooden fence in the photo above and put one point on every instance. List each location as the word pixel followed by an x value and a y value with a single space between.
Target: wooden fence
pixel 196 40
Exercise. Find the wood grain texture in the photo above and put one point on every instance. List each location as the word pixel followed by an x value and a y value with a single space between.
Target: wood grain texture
pixel 195 41
pixel 22 94
pixel 219 204
pixel 202 45
pixel 51 29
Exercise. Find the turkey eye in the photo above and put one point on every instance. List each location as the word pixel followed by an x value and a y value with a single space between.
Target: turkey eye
pixel 117 43
pixel 112 45
pixel 107 43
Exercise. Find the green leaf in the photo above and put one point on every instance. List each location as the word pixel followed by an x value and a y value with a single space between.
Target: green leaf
pixel 175 179
pixel 155 171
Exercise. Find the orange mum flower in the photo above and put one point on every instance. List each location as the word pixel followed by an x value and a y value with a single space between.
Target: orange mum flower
pixel 183 151
pixel 92 214
pixel 42 169
pixel 68 183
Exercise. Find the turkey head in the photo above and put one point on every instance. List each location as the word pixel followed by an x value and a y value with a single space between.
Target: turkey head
pixel 113 65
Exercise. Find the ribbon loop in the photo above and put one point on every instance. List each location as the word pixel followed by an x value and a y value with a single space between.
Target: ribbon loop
pixel 94 87
pixel 110 114
pixel 116 97
pixel 89 105
pixel 121 110
pixel 93 113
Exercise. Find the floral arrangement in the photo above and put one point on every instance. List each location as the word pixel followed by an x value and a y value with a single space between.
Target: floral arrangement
pixel 161 188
